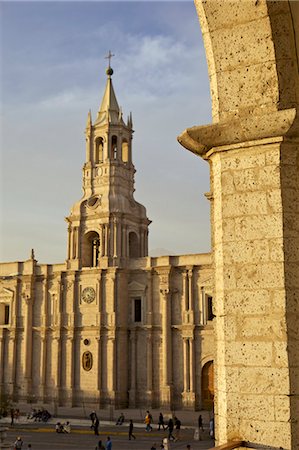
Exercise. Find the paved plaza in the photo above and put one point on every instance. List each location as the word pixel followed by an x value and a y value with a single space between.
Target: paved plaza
pixel 43 436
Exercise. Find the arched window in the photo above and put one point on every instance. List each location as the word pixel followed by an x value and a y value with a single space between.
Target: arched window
pixel 114 147
pixel 133 245
pixel 99 145
pixel 90 249
pixel 125 151
pixel 207 385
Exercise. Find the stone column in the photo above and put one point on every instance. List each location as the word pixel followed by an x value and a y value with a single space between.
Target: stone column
pixel 253 151
pixel 99 367
pixel 149 365
pixel 255 187
pixel 190 289
pixel 192 366
pixel 132 391
pixel 102 240
pixel 2 356
pixel 166 388
pixel 115 240
pixel 43 367
pixel 186 365
pixel 124 241
pixel 107 239
pixel 185 292
pixel 28 339
pixel 203 307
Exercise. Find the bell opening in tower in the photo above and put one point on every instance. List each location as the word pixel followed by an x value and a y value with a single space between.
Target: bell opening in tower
pixel 91 249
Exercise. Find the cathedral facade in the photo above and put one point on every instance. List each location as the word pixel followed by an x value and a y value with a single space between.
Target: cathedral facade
pixel 110 325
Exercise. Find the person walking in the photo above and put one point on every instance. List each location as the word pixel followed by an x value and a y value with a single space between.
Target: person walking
pixel 18 443
pixel 92 417
pixel 96 425
pixel 200 423
pixel 100 446
pixel 170 429
pixel 177 423
pixel 148 420
pixel 131 426
pixel 161 422
pixel 108 444
pixel 12 416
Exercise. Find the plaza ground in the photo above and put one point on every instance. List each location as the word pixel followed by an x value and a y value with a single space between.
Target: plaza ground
pixel 43 436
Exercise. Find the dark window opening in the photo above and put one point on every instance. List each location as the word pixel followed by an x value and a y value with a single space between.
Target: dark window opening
pixel 137 310
pixel 114 147
pixel 6 315
pixel 210 308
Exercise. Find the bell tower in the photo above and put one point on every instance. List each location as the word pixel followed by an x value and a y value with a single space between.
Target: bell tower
pixel 107 225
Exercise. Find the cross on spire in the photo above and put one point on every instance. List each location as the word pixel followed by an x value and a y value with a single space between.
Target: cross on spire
pixel 109 56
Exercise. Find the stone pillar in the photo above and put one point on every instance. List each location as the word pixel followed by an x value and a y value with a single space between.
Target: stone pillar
pixel 102 240
pixel 43 367
pixel 192 366
pixel 185 292
pixel 132 391
pixel 115 240
pixel 99 367
pixel 190 289
pixel 107 239
pixel 255 188
pixel 28 339
pixel 166 384
pixel 149 366
pixel 124 241
pixel 10 370
pixel 253 151
pixel 186 365
pixel 203 306
pixel 2 356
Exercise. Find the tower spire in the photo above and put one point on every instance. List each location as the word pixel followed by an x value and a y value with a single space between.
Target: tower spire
pixel 109 111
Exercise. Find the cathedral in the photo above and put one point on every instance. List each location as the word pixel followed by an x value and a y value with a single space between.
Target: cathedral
pixel 111 325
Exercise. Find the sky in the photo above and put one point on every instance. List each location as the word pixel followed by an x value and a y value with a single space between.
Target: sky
pixel 53 71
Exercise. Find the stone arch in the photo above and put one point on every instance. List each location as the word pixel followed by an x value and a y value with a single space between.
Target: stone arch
pixel 133 245
pixel 251 54
pixel 99 150
pixel 207 385
pixel 125 151
pixel 90 249
pixel 114 149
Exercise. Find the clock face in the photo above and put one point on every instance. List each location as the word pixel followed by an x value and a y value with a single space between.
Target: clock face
pixel 88 295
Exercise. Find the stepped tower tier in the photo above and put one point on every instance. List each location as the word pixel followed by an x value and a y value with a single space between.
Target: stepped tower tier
pixel 107 225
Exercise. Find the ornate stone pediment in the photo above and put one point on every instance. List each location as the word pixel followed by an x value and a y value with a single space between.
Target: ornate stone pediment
pixel 6 295
pixel 134 286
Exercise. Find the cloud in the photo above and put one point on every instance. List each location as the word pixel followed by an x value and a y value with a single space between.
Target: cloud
pixel 159 73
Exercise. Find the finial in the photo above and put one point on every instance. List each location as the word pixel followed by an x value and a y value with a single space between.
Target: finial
pixel 32 254
pixel 109 71
pixel 89 120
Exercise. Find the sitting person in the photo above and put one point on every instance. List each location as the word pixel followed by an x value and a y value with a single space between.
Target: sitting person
pixel 67 427
pixel 120 420
pixel 59 428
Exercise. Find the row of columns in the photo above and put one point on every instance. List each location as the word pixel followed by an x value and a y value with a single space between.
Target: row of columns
pixel 92 150
pixel 114 240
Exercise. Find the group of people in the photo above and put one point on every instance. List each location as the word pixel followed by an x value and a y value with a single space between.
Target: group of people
pixel 39 415
pixel 107 446
pixel 172 424
pixel 63 427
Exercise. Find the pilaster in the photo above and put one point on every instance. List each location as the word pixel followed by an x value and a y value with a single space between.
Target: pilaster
pixel 255 189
